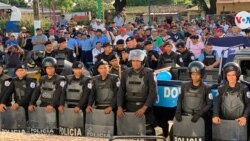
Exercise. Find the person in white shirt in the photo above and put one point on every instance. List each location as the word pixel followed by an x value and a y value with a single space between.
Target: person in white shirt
pixel 119 21
pixel 96 51
pixel 123 35
pixel 99 25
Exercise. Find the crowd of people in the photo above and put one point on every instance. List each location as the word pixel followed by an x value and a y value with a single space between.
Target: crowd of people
pixel 121 58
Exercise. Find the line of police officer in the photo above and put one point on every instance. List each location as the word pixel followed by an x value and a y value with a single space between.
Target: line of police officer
pixel 135 93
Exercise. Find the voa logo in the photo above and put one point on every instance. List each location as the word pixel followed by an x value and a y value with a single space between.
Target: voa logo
pixel 242 20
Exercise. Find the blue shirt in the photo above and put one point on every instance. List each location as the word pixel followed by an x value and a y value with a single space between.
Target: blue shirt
pixel 71 43
pixel 103 39
pixel 39 47
pixel 85 44
pixel 62 22
pixel 202 56
pixel 11 43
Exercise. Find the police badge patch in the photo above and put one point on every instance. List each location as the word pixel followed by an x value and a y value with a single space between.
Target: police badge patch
pixel 32 85
pixel 7 83
pixel 62 83
pixel 181 60
pixel 192 58
pixel 210 96
pixel 90 85
pixel 118 83
pixel 248 94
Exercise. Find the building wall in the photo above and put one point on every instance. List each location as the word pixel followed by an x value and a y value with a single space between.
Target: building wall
pixel 236 7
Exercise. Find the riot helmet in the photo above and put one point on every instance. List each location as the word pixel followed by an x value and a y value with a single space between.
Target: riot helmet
pixel 49 62
pixel 231 66
pixel 196 67
pixel 137 54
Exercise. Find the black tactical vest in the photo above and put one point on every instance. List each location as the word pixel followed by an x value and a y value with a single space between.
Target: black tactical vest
pixel 104 90
pixel 232 105
pixel 20 87
pixel 135 88
pixel 60 57
pixel 74 90
pixel 169 60
pixel 209 59
pixel 193 99
pixel 47 88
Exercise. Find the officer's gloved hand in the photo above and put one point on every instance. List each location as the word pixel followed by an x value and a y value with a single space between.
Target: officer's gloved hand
pixel 195 118
pixel 178 117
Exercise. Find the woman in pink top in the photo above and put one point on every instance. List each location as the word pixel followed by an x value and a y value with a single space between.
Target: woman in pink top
pixel 195 45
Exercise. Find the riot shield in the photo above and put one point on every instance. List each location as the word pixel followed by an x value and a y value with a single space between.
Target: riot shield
pixel 13 120
pixel 229 130
pixel 67 70
pixel 71 123
pixel 41 122
pixel 136 138
pixel 187 130
pixel 99 124
pixel 131 125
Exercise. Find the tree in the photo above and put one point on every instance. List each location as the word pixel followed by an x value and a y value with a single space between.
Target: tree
pixel 204 5
pixel 86 5
pixel 17 3
pixel 119 5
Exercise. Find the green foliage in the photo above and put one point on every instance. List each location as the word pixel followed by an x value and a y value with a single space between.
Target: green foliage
pixel 153 2
pixel 17 3
pixel 45 23
pixel 84 22
pixel 85 5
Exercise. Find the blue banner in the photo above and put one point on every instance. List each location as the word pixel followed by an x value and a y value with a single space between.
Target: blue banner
pixel 230 41
pixel 167 96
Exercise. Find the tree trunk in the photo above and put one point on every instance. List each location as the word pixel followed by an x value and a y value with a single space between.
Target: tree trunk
pixel 119 5
pixel 213 8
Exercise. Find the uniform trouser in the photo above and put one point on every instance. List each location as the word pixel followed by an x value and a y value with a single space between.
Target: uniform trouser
pixel 149 115
pixel 163 115
pixel 114 110
pixel 86 57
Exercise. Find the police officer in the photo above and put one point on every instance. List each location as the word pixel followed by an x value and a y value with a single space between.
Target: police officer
pixel 152 55
pixel 233 101
pixel 51 85
pixel 119 48
pixel 209 57
pixel 108 50
pixel 132 44
pixel 116 67
pixel 21 88
pixel 63 53
pixel 104 89
pixel 77 87
pixel 5 80
pixel 138 90
pixel 195 98
pixel 169 58
pixel 35 57
pixel 186 55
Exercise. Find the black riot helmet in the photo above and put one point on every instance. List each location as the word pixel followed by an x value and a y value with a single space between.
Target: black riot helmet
pixel 231 66
pixel 196 66
pixel 49 62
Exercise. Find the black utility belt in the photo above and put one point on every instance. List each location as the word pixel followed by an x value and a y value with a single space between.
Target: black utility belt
pixel 135 103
